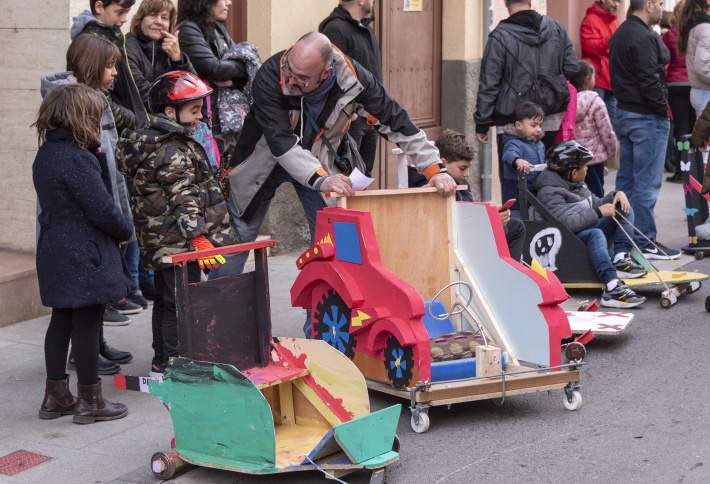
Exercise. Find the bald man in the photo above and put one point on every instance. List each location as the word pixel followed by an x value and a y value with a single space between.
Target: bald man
pixel 280 145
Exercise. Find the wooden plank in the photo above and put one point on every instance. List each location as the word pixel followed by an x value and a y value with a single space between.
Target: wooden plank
pixel 263 304
pixel 475 398
pixel 305 412
pixel 419 217
pixel 488 361
pixel 316 401
pixel 494 386
pixel 294 441
pixel 288 416
pixel 227 249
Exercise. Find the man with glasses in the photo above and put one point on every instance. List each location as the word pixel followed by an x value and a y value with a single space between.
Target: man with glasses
pixel 304 101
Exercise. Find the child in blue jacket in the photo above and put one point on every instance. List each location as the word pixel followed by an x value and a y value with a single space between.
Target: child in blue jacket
pixel 522 149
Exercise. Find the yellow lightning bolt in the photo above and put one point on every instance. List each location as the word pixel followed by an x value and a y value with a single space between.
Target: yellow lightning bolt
pixel 357 321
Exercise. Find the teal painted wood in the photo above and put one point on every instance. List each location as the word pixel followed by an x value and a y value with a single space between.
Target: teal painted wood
pixel 219 416
pixel 369 436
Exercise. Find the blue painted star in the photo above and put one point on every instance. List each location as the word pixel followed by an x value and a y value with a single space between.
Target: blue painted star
pixel 398 362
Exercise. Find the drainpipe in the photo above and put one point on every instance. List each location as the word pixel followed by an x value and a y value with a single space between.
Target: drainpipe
pixel 487 150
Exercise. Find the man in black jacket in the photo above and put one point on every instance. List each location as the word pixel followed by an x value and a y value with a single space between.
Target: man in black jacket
pixel 638 81
pixel 349 28
pixel 521 47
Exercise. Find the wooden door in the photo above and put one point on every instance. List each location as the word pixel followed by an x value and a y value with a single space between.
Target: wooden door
pixel 410 43
pixel 237 21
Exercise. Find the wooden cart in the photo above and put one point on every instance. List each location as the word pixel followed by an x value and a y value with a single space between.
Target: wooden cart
pixel 376 262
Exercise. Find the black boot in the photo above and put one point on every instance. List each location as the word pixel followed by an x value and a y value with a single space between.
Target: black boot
pixel 106 367
pixel 110 353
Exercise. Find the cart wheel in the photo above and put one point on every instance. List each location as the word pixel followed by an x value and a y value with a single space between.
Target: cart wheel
pixel 575 351
pixel 666 303
pixel 693 287
pixel 399 361
pixel 423 424
pixel 576 402
pixel 163 466
pixel 699 255
pixel 333 323
pixel 707 304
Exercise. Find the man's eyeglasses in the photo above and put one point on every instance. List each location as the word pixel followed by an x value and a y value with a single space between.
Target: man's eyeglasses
pixel 300 80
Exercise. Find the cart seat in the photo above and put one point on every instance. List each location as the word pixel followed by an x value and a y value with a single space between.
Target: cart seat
pixel 433 327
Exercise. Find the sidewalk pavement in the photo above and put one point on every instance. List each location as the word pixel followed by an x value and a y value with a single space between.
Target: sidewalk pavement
pixel 120 451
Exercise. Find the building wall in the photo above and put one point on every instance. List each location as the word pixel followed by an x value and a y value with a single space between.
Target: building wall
pixel 33 44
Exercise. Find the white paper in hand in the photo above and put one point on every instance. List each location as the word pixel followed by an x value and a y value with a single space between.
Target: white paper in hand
pixel 360 181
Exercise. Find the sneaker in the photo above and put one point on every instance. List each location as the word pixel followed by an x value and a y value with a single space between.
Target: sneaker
pixel 621 297
pixel 126 306
pixel 627 268
pixel 114 318
pixel 156 371
pixel 655 253
pixel 138 298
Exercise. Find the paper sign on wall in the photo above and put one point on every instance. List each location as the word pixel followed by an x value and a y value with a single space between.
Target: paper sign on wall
pixel 412 5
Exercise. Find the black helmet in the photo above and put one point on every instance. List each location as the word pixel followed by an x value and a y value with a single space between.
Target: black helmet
pixel 567 155
pixel 175 89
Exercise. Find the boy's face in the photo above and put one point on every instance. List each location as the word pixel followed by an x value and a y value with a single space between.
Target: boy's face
pixel 114 15
pixel 191 113
pixel 532 127
pixel 579 174
pixel 457 169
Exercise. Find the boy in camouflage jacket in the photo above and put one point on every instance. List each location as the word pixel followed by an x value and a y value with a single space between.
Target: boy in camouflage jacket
pixel 177 203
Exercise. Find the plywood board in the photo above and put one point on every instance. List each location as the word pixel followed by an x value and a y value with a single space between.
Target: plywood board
pixel 412 232
pixel 293 441
pixel 653 278
pixel 600 322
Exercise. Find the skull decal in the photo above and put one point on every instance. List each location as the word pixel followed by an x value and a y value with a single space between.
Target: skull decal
pixel 545 246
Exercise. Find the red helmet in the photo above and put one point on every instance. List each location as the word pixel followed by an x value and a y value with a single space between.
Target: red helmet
pixel 175 89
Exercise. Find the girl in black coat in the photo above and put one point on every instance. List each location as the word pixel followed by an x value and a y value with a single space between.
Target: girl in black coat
pixel 78 260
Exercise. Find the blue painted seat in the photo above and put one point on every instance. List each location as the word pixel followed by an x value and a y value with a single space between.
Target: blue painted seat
pixel 433 327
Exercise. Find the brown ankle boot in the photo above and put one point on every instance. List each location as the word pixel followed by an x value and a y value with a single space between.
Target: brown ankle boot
pixel 58 399
pixel 91 406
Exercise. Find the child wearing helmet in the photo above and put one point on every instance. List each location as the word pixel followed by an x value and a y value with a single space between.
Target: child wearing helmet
pixel 562 190
pixel 177 203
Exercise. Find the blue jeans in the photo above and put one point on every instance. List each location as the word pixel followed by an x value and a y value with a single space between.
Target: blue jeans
pixel 597 241
pixel 643 139
pixel 135 265
pixel 609 100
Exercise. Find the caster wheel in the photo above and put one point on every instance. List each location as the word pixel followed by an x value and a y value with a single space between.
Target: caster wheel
pixel 707 304
pixel 699 255
pixel 162 465
pixel 666 303
pixel 576 402
pixel 423 424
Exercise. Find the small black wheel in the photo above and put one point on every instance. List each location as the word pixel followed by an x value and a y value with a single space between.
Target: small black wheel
pixel 332 324
pixel 707 304
pixel 665 303
pixel 399 361
pixel 162 465
pixel 699 255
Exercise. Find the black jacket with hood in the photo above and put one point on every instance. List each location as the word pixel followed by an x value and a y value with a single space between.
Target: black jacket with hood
pixel 148 61
pixel 523 44
pixel 124 90
pixel 638 73
pixel 356 39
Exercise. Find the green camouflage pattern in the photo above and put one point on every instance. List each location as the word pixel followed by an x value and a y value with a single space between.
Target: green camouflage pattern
pixel 174 196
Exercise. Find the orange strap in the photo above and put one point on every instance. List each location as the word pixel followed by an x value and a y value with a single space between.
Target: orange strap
pixel 431 170
pixel 371 119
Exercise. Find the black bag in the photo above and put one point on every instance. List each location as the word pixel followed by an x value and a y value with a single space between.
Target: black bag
pixel 347 158
pixel 550 93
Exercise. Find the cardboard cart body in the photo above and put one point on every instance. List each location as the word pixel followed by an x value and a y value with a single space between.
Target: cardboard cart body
pixel 371 269
pixel 558 250
pixel 692 168
pixel 243 401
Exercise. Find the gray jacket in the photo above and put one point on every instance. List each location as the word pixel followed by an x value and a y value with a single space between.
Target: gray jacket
pixel 571 203
pixel 518 47
pixel 109 138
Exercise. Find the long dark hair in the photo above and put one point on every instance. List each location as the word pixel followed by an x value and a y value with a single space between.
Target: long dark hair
pixel 691 9
pixel 200 12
